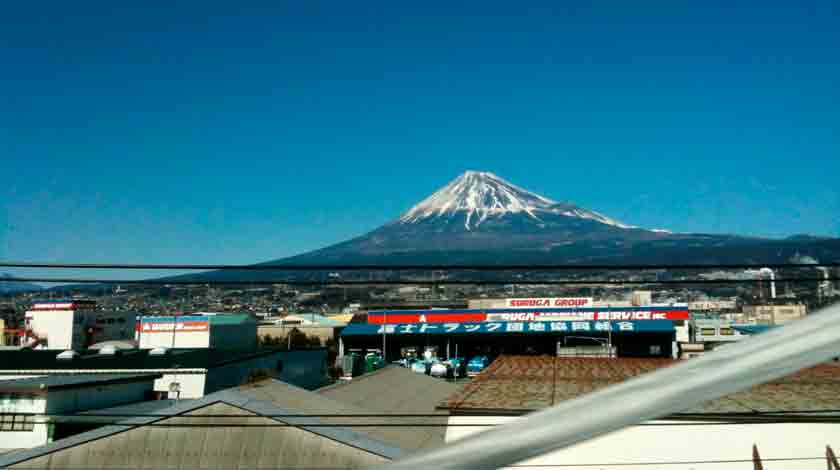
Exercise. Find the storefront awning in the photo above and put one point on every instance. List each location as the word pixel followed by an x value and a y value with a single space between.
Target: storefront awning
pixel 557 327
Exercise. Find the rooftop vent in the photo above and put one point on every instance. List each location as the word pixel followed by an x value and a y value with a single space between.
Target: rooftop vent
pixel 67 355
pixel 159 352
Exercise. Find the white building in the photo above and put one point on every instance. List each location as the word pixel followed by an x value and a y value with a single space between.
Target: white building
pixel 202 330
pixel 74 324
pixel 775 314
pixel 711 331
pixel 715 305
pixel 26 404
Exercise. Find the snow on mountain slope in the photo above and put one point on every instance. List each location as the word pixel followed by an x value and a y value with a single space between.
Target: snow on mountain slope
pixel 481 195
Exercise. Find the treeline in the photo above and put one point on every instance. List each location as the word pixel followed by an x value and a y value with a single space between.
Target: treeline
pixel 294 339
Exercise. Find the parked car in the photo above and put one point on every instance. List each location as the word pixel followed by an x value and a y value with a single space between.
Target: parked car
pixel 439 369
pixel 419 367
pixel 477 364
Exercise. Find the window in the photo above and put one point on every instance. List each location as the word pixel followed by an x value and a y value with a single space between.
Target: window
pixel 707 331
pixel 726 332
pixel 10 422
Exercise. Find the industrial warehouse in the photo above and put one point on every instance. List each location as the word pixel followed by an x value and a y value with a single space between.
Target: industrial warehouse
pixel 609 331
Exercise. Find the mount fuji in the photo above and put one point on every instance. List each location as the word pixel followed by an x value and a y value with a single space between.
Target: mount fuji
pixel 480 218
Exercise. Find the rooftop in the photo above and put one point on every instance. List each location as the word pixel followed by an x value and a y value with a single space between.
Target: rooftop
pixel 204 441
pixel 392 390
pixel 64 382
pixel 13 362
pixel 518 384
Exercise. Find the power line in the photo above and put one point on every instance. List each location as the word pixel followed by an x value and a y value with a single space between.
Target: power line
pixel 663 462
pixel 405 267
pixel 405 282
pixel 127 422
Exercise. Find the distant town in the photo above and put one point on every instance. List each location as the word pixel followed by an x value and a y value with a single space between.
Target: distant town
pixel 449 341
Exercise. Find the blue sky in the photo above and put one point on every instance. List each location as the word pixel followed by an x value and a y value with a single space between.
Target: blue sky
pixel 248 132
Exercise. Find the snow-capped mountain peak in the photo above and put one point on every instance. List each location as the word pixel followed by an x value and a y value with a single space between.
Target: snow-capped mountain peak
pixel 480 195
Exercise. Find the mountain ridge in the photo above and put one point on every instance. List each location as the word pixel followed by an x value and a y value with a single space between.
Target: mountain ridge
pixel 481 219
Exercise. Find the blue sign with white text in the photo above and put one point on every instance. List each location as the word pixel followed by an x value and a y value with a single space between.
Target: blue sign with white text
pixel 591 327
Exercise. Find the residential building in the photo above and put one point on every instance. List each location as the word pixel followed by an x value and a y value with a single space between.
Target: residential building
pixel 27 404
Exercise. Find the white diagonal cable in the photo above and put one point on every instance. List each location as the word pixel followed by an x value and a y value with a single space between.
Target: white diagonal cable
pixel 736 367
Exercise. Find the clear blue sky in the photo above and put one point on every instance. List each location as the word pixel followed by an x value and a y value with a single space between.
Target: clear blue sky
pixel 248 132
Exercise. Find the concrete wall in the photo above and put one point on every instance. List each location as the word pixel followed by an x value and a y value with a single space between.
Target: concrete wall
pixel 192 385
pixel 646 447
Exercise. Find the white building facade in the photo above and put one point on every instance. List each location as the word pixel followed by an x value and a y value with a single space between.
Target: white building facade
pixel 74 325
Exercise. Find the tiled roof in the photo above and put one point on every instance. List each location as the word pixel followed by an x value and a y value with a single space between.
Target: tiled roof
pixel 526 383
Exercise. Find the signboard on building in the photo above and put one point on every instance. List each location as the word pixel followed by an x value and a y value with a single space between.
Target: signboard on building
pixel 577 327
pixel 712 305
pixel 556 302
pixel 63 305
pixel 170 324
pixel 530 315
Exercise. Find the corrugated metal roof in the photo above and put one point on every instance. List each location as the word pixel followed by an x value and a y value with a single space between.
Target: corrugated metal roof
pixel 366 395
pixel 134 443
pixel 397 390
pixel 523 383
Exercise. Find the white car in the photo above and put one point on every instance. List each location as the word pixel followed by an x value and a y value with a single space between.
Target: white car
pixel 438 370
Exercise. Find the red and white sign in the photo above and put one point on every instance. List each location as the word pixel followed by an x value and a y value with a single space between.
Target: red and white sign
pixel 592 315
pixel 168 327
pixel 553 302
pixel 62 306
pixel 495 315
pixel 427 317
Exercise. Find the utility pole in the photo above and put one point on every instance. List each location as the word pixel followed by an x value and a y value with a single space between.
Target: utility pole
pixel 384 332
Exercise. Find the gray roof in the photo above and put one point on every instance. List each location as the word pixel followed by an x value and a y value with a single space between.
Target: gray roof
pixel 394 389
pixel 398 390
pixel 151 442
pixel 58 382
pixel 302 401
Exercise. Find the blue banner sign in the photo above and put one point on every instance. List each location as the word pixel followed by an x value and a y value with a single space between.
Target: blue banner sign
pixel 585 327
